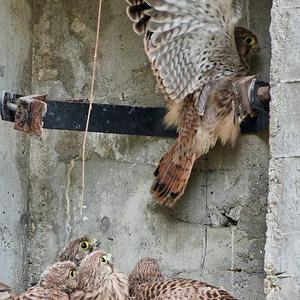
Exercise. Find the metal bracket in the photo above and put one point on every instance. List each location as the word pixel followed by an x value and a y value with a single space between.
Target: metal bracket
pixel 259 100
pixel 26 112
pixel 35 114
pixel 8 106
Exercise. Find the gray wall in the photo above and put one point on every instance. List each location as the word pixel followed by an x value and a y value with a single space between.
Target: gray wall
pixel 217 232
pixel 282 260
pixel 15 63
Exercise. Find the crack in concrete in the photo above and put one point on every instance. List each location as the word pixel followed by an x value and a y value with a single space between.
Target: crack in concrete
pixel 69 167
pixel 205 251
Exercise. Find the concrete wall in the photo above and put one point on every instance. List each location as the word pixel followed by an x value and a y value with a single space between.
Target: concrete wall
pixel 217 232
pixel 15 64
pixel 227 187
pixel 282 260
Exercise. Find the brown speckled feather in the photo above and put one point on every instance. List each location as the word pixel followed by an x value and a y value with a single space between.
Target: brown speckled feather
pixel 98 279
pixel 5 292
pixel 147 270
pixel 195 137
pixel 57 282
pixel 39 293
pixel 196 52
pixel 180 289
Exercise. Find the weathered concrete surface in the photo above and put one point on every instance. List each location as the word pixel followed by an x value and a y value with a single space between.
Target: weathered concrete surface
pixel 282 259
pixel 210 235
pixel 15 63
pixel 217 232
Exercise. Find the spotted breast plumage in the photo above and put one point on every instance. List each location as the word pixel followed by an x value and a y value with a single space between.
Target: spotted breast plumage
pixel 197 53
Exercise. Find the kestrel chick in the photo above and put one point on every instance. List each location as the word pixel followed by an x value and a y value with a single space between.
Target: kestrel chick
pixel 57 282
pixel 98 279
pixel 79 248
pixel 147 270
pixel 197 54
pixel 5 292
pixel 145 286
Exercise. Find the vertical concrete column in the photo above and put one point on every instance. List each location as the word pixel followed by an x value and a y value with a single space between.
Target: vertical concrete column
pixel 15 73
pixel 282 257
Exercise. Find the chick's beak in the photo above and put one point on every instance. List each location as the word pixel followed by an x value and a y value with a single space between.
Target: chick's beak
pixel 110 258
pixel 95 244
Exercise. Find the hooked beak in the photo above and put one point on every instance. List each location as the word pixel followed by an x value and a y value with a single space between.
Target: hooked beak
pixel 110 258
pixel 95 244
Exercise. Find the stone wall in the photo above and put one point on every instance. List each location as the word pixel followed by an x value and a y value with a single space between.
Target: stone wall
pixel 282 259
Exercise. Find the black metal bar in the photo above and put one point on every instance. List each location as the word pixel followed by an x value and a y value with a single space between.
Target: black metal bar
pixel 106 118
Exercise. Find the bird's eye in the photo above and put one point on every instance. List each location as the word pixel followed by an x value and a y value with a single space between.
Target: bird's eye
pixel 84 245
pixel 249 40
pixel 103 259
pixel 72 273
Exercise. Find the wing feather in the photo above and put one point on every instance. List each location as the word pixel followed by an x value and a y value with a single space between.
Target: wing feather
pixel 189 42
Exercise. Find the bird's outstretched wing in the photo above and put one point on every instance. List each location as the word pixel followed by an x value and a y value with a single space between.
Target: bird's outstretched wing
pixel 188 42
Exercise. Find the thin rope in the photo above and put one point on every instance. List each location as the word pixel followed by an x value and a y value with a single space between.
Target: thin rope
pixel 91 100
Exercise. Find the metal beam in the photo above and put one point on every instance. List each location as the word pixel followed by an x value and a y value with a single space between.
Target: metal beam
pixel 108 118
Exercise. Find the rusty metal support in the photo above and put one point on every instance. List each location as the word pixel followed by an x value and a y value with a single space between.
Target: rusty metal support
pixel 29 114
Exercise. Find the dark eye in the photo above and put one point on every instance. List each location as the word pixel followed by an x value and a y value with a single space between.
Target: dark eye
pixel 103 259
pixel 84 245
pixel 249 41
pixel 72 273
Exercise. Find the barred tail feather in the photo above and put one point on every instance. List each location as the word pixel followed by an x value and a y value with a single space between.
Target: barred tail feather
pixel 172 175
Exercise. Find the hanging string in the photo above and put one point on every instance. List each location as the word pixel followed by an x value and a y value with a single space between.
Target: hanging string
pixel 91 100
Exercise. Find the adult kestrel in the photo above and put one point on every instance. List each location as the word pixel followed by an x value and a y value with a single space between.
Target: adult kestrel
pixel 197 54
pixel 79 248
pixel 57 282
pixel 99 279
pixel 145 286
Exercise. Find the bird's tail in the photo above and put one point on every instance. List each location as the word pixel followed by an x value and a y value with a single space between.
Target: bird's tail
pixel 174 169
pixel 172 175
pixel 135 12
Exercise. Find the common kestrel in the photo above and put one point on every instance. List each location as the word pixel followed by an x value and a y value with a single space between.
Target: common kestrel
pixel 99 279
pixel 147 283
pixel 147 270
pixel 5 292
pixel 57 282
pixel 79 248
pixel 197 54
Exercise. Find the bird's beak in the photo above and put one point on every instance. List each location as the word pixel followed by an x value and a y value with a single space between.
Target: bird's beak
pixel 109 258
pixel 95 243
